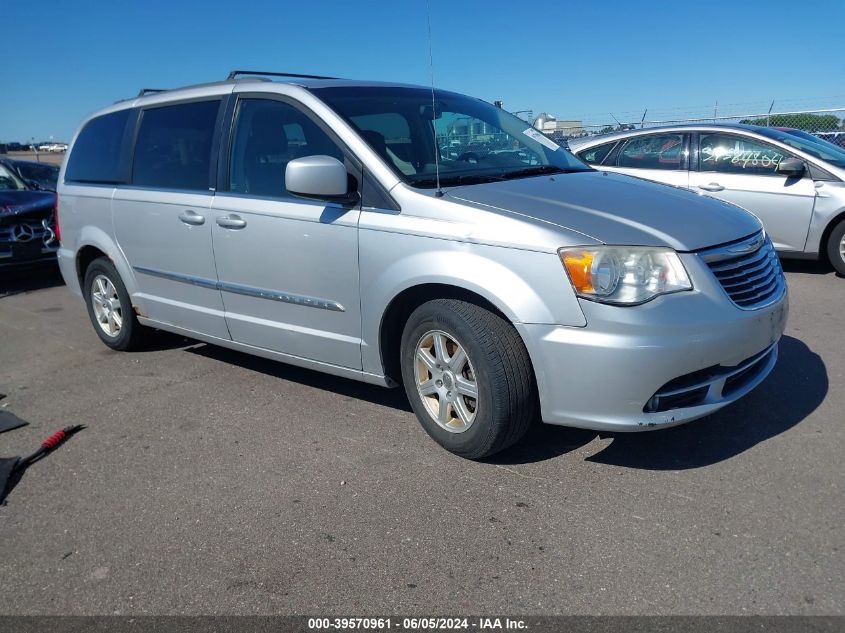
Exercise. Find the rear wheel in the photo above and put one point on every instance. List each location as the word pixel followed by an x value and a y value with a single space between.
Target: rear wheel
pixel 468 377
pixel 109 307
pixel 836 248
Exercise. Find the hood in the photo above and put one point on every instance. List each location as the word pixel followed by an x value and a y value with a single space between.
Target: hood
pixel 19 202
pixel 617 209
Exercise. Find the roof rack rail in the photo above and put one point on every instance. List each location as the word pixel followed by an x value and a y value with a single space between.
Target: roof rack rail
pixel 235 73
pixel 146 91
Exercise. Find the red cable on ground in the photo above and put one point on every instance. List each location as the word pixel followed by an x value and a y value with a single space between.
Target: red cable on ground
pixel 55 439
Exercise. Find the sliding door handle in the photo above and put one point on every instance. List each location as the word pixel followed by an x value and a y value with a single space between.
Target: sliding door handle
pixel 191 217
pixel 231 222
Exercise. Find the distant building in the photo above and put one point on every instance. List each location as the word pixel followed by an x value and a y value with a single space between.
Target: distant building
pixel 549 124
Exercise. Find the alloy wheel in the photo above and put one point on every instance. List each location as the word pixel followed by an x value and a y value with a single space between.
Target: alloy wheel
pixel 106 306
pixel 446 381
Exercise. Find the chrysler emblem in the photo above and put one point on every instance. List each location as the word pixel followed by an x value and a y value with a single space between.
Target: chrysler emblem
pixel 22 233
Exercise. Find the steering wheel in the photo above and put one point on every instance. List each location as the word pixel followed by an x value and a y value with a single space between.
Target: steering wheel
pixel 469 157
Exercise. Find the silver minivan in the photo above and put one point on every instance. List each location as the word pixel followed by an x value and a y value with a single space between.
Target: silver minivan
pixel 398 235
pixel 792 181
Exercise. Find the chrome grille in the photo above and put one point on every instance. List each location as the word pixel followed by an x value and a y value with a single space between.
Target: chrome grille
pixel 27 239
pixel 749 271
pixel 25 231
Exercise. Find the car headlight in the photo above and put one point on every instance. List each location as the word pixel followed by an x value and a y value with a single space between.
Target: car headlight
pixel 624 275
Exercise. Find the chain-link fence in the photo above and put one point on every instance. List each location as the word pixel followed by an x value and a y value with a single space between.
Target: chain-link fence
pixel 826 124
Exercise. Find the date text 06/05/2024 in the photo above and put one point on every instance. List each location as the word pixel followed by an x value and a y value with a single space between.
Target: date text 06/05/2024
pixel 416 624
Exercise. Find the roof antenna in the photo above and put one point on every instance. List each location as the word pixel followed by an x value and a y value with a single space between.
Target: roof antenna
pixel 439 191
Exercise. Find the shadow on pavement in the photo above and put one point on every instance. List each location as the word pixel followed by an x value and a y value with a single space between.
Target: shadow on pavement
pixel 394 398
pixel 542 442
pixel 17 281
pixel 159 340
pixel 807 266
pixel 795 388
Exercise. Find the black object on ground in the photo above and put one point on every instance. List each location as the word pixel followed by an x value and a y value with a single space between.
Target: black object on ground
pixel 9 421
pixel 12 468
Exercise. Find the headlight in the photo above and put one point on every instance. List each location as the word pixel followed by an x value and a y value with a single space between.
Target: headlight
pixel 624 275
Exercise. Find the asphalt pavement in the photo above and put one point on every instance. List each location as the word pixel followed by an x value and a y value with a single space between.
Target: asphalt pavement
pixel 211 482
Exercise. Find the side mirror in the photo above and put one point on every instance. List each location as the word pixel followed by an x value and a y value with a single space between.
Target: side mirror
pixel 792 167
pixel 319 178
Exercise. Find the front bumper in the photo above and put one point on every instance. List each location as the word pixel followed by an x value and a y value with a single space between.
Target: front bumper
pixel 666 362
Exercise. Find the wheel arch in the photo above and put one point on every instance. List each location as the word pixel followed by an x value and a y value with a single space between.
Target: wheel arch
pixel 95 242
pixel 398 274
pixel 84 256
pixel 409 299
pixel 828 229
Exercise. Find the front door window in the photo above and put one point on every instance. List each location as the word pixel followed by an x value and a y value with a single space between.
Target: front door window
pixel 731 154
pixel 268 135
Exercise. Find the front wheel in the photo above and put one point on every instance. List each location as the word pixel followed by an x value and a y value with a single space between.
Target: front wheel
pixel 468 377
pixel 109 307
pixel 836 248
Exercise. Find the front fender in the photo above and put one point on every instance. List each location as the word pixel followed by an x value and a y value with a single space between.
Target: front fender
pixel 526 286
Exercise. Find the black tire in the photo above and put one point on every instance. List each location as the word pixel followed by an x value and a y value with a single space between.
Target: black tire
pixel 507 400
pixel 834 248
pixel 132 334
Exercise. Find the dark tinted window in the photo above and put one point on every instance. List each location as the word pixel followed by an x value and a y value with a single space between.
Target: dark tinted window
pixel 595 155
pixel 268 135
pixel 655 151
pixel 731 154
pixel 96 154
pixel 173 150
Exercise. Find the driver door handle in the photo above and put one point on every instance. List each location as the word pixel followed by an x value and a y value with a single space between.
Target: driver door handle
pixel 231 221
pixel 713 186
pixel 191 217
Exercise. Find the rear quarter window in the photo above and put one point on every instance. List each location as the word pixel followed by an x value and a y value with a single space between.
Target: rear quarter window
pixel 97 152
pixel 595 155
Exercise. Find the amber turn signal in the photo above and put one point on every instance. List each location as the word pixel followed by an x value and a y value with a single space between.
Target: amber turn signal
pixel 579 266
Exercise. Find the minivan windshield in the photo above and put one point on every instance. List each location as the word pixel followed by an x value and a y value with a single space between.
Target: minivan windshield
pixel 823 150
pixel 476 142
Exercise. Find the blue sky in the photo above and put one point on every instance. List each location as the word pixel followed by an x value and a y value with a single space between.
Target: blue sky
pixel 575 60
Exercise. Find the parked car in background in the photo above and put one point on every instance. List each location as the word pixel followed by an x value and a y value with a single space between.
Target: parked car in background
pixel 53 147
pixel 794 184
pixel 35 175
pixel 312 221
pixel 27 222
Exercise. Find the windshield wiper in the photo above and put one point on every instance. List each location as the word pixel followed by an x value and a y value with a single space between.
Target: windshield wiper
pixel 467 179
pixel 538 171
